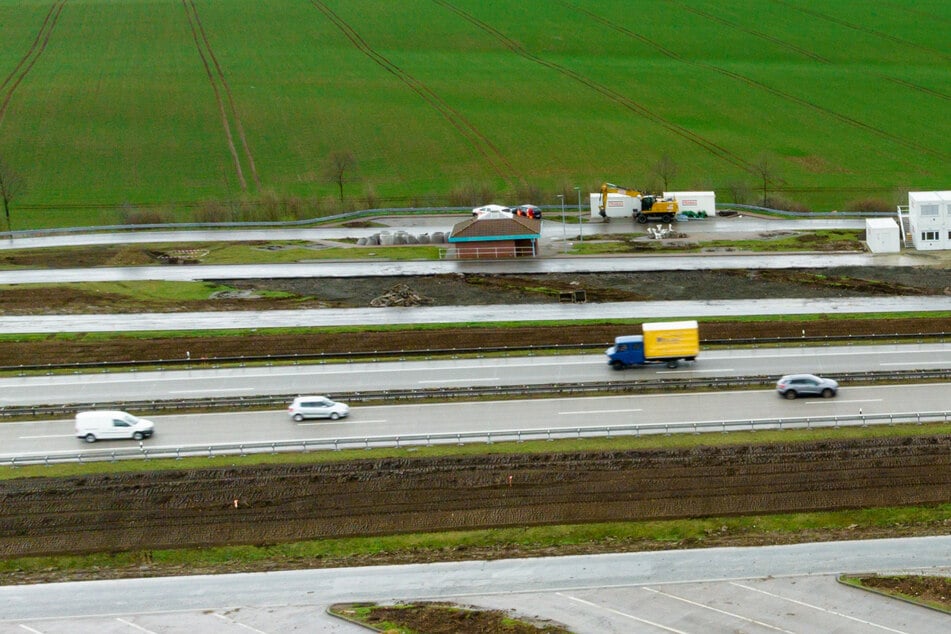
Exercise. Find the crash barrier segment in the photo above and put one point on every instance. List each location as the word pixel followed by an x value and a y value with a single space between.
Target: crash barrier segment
pixel 462 438
pixel 189 362
pixel 280 401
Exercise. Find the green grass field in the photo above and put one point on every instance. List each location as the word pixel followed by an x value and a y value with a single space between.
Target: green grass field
pixel 108 106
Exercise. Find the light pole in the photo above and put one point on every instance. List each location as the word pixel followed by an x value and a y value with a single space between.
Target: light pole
pixel 580 219
pixel 564 227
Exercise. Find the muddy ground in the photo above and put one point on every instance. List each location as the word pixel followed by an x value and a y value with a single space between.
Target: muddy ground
pixel 287 503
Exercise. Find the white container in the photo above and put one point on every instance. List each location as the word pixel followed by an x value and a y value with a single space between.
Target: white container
pixel 882 235
pixel 695 202
pixel 929 216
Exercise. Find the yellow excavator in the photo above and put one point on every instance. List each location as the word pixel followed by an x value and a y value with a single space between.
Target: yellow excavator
pixel 643 208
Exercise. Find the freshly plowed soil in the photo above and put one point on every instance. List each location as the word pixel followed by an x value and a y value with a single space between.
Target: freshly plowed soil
pixel 269 504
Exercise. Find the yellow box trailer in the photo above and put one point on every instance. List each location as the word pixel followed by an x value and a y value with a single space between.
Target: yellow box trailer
pixel 671 339
pixel 662 342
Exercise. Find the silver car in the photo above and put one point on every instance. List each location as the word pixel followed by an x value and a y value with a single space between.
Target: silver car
pixel 793 385
pixel 317 407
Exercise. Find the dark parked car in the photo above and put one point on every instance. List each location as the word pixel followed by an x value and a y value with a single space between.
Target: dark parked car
pixel 793 385
pixel 530 211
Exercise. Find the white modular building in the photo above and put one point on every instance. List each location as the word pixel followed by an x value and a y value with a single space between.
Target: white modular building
pixel 882 235
pixel 695 202
pixel 929 220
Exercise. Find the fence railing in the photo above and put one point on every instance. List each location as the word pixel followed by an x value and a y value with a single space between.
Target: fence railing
pixel 462 438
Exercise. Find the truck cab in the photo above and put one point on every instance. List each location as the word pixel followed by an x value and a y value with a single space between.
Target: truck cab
pixel 627 350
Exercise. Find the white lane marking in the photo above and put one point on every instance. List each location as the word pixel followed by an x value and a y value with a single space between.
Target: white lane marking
pixel 719 611
pixel 599 411
pixel 619 613
pixel 916 363
pixel 338 422
pixel 48 436
pixel 224 389
pixel 30 629
pixel 855 400
pixel 233 622
pixel 134 626
pixel 816 607
pixel 703 371
pixel 490 378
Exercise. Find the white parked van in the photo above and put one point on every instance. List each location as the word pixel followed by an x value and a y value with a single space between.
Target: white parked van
pixel 106 424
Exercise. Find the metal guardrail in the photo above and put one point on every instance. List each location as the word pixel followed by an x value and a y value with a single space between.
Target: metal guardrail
pixel 455 393
pixel 319 357
pixel 462 438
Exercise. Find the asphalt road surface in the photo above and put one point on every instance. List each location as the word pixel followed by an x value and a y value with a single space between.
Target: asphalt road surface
pixel 226 320
pixel 728 590
pixel 517 370
pixel 565 414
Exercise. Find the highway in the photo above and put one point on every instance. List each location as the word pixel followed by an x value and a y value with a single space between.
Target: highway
pixel 17 438
pixel 334 378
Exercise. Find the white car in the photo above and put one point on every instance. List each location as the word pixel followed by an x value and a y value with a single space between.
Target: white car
pixel 317 407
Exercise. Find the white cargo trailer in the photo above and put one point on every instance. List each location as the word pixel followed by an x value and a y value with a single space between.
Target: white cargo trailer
pixel 695 202
pixel 618 206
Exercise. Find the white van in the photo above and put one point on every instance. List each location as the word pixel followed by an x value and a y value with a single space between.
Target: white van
pixel 106 424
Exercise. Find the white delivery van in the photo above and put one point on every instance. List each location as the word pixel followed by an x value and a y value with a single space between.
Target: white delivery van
pixel 107 424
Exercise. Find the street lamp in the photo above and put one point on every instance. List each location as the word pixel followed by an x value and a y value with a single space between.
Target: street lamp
pixel 580 219
pixel 564 227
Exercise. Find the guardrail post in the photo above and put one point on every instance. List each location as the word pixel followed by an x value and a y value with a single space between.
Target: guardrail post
pixel 488 438
pixel 459 439
pixel 113 455
pixel 178 453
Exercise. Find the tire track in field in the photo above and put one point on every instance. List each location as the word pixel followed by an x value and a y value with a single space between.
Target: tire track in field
pixel 482 144
pixel 12 81
pixel 752 83
pixel 805 52
pixel 216 77
pixel 629 104
pixel 863 29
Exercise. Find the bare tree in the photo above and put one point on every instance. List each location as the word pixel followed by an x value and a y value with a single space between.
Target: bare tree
pixel 666 170
pixel 765 169
pixel 338 168
pixel 11 186
pixel 739 190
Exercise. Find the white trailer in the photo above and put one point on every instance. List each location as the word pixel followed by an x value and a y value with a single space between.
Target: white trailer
pixel 695 202
pixel 618 206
